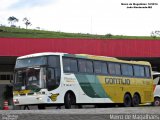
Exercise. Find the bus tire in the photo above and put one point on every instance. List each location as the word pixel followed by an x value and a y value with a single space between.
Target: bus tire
pixel 127 101
pixel 135 100
pixel 69 100
pixel 156 101
pixel 41 107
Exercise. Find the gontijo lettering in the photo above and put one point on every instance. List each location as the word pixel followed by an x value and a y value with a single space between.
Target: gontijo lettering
pixel 117 81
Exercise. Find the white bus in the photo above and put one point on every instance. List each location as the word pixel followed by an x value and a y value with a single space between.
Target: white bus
pixel 45 79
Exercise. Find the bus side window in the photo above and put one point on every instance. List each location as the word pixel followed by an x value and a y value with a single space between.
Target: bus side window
pixel 82 66
pixel 139 71
pixel 66 65
pixel 111 68
pixel 100 67
pixel 147 72
pixel 104 68
pixel 89 66
pixel 118 69
pixel 70 65
pixel 73 65
pixel 142 74
pixel 136 71
pixel 97 67
pixel 124 69
pixel 130 70
pixel 127 69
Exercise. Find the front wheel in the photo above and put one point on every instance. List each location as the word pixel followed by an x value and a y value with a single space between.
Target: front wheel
pixel 69 100
pixel 127 101
pixel 156 102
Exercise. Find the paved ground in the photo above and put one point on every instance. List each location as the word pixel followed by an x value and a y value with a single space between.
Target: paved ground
pixel 116 113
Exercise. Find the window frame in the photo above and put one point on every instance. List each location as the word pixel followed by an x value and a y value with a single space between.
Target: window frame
pixel 128 69
pixel 114 66
pixel 139 74
pixel 85 65
pixel 70 63
pixel 101 67
pixel 130 66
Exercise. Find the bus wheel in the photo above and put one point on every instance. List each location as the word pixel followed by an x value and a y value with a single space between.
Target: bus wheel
pixel 156 101
pixel 127 100
pixel 69 100
pixel 41 107
pixel 135 100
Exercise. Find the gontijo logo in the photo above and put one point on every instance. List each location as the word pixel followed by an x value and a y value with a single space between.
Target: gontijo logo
pixel 117 81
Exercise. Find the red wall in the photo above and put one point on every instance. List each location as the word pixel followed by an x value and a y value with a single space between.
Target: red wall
pixel 115 48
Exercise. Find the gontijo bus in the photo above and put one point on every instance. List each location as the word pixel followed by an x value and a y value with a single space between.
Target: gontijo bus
pixel 66 79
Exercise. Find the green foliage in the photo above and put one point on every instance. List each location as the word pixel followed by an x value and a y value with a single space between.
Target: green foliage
pixel 12 20
pixel 10 32
pixel 27 22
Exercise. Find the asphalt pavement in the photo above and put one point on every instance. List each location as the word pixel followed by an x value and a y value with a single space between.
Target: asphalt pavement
pixel 115 113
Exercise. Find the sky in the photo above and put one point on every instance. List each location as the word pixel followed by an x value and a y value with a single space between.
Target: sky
pixel 85 16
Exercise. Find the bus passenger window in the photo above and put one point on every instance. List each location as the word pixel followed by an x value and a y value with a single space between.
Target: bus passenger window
pixel 127 70
pixel 73 65
pixel 141 71
pixel 82 66
pixel 89 66
pixel 104 68
pixel 97 67
pixel 117 68
pixel 111 68
pixel 66 65
pixel 124 69
pixel 147 72
pixel 138 71
pixel 130 70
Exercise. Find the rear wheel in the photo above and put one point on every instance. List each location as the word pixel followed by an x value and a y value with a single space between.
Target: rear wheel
pixel 69 100
pixel 135 100
pixel 157 101
pixel 127 101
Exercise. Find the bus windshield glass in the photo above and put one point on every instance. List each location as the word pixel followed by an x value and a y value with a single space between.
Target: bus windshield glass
pixel 29 78
pixel 30 62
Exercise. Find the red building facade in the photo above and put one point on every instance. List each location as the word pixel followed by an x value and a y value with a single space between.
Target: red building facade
pixel 110 47
pixel 132 49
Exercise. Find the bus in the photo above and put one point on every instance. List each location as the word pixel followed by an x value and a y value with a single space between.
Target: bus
pixel 53 78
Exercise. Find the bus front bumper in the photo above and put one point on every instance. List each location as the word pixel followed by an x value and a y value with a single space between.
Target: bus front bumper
pixel 30 100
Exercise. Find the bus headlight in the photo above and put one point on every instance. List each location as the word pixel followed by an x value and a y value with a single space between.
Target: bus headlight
pixel 15 101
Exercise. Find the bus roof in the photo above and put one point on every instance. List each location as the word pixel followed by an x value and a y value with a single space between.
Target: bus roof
pixel 87 56
pixel 40 54
pixel 112 59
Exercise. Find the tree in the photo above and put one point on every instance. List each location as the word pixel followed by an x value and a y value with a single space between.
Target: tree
pixel 155 34
pixel 27 22
pixel 12 20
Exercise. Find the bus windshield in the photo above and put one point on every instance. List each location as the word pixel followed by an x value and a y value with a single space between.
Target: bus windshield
pixel 29 78
pixel 30 62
